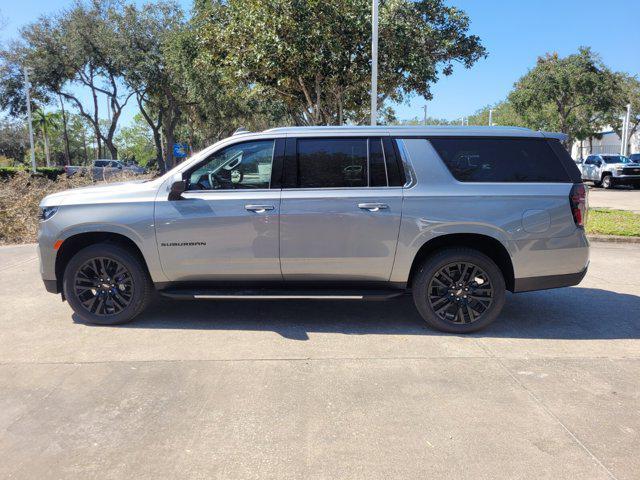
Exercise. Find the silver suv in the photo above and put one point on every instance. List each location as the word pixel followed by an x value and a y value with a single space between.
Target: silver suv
pixel 456 216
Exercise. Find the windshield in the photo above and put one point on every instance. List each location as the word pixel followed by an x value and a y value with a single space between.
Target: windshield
pixel 615 159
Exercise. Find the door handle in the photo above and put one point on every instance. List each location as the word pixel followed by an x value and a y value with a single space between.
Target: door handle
pixel 373 207
pixel 258 208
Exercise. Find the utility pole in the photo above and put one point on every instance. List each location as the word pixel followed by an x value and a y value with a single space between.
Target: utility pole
pixel 374 62
pixel 27 88
pixel 491 117
pixel 425 113
pixel 625 131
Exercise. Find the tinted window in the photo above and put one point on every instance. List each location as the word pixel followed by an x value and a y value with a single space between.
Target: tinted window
pixel 500 160
pixel 615 159
pixel 240 166
pixel 395 172
pixel 378 171
pixel 101 163
pixel 332 162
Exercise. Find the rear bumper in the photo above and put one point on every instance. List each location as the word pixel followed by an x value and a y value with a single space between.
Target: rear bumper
pixel 552 281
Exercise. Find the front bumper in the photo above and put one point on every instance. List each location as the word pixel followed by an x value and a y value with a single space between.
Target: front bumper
pixel 626 179
pixel 51 286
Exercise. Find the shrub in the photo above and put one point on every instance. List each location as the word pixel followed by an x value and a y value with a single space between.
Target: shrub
pixel 20 196
pixel 50 172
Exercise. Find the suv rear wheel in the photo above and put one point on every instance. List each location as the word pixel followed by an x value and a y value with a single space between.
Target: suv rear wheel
pixel 459 290
pixel 106 284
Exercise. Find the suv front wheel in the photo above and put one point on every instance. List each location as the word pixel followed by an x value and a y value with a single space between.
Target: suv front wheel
pixel 106 284
pixel 459 290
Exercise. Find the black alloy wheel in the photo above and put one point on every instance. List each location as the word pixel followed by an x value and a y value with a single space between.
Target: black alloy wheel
pixel 460 292
pixel 103 286
pixel 107 284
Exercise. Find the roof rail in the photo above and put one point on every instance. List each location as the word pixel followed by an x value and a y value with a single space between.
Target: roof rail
pixel 240 131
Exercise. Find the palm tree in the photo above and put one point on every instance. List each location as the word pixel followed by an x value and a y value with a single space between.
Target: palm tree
pixel 46 122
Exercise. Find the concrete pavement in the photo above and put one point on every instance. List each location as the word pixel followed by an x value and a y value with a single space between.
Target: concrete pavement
pixel 619 198
pixel 323 390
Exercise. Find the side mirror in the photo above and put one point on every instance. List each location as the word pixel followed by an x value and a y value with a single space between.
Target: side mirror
pixel 177 189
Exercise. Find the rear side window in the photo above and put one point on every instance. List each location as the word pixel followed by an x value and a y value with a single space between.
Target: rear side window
pixel 500 160
pixel 332 162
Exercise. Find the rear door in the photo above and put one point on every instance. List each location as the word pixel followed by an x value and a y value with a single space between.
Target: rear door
pixel 340 209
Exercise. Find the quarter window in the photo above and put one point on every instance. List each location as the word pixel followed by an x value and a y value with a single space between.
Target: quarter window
pixel 241 166
pixel 500 160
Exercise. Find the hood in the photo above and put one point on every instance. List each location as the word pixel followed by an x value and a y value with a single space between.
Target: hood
pixel 123 192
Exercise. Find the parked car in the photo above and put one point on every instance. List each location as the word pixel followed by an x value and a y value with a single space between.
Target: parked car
pixel 102 169
pixel 635 157
pixel 610 170
pixel 455 216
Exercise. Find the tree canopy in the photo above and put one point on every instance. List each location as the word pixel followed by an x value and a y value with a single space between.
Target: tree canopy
pixel 576 95
pixel 315 55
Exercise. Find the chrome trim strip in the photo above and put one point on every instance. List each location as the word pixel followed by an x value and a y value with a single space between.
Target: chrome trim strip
pixel 282 297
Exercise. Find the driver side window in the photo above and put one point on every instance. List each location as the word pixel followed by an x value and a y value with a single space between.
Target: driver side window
pixel 241 166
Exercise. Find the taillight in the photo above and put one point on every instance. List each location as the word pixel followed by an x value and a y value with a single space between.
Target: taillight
pixel 579 204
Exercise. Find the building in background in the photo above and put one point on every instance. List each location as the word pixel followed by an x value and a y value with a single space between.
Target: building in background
pixel 606 142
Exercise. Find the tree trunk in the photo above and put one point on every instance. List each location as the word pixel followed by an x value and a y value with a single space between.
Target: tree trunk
pixel 67 155
pixel 84 144
pixel 113 151
pixel 155 129
pixel 170 141
pixel 46 148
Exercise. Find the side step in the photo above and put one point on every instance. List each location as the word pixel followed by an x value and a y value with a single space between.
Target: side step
pixel 278 294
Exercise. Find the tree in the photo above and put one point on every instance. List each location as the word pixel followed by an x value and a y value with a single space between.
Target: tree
pixel 147 30
pixel 14 141
pixel 46 123
pixel 214 103
pixel 575 95
pixel 503 114
pixel 314 55
pixel 81 47
pixel 629 94
pixel 135 142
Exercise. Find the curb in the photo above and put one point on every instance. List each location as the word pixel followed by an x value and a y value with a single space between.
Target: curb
pixel 613 239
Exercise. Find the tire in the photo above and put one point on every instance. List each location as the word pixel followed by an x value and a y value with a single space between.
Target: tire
pixel 607 181
pixel 107 301
pixel 597 184
pixel 428 279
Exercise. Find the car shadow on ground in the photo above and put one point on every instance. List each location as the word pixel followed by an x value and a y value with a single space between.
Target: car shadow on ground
pixel 568 313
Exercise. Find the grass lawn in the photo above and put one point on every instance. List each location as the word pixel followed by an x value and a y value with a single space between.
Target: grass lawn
pixel 603 221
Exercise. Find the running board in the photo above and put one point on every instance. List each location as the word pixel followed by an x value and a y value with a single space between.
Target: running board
pixel 278 294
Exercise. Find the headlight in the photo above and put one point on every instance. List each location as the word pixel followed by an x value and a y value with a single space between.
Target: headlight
pixel 47 212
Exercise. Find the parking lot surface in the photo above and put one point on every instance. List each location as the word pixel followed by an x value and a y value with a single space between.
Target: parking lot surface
pixel 620 198
pixel 314 390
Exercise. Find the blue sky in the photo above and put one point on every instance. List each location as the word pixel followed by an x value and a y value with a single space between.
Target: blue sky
pixel 515 33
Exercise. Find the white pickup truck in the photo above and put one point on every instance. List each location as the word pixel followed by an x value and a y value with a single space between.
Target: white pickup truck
pixel 103 169
pixel 609 170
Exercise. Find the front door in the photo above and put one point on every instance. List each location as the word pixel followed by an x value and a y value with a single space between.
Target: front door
pixel 339 216
pixel 226 226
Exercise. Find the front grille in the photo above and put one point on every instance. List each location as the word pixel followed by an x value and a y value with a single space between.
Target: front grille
pixel 631 171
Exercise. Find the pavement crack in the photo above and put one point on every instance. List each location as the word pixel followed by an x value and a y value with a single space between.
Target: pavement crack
pixel 546 409
pixel 18 264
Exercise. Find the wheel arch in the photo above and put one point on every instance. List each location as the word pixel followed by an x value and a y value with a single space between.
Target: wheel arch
pixel 491 247
pixel 74 243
